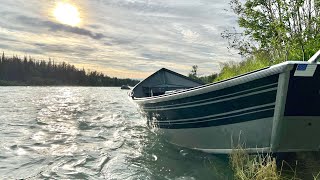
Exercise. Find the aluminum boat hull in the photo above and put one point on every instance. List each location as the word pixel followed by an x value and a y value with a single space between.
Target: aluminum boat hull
pixel 276 109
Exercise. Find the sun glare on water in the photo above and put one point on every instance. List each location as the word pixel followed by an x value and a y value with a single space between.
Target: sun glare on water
pixel 67 13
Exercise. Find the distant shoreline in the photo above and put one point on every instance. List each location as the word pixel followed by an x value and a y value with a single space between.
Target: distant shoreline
pixel 22 84
pixel 16 71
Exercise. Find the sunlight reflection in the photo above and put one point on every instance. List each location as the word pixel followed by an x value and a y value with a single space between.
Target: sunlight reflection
pixel 67 13
pixel 60 126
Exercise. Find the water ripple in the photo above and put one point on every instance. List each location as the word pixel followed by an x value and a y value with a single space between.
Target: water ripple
pixel 87 133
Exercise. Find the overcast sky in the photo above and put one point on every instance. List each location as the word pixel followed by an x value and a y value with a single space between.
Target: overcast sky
pixel 122 38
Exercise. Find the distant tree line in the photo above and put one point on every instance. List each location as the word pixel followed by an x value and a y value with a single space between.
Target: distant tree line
pixel 28 71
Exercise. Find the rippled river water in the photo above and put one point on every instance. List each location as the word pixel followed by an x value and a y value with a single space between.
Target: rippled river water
pixel 89 133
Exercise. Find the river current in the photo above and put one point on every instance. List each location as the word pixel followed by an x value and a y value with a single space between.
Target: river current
pixel 90 133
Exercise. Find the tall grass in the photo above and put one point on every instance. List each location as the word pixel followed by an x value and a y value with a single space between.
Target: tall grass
pixel 255 62
pixel 265 167
pixel 249 167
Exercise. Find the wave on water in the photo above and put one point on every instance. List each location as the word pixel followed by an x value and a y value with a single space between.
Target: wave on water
pixel 89 133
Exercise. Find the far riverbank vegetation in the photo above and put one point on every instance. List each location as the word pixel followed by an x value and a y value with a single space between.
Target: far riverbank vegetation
pixel 16 71
pixel 272 32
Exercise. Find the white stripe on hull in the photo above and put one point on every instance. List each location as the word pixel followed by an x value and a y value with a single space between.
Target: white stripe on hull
pixel 222 114
pixel 218 97
pixel 211 102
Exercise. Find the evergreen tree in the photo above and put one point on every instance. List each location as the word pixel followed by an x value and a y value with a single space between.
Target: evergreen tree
pixel 31 72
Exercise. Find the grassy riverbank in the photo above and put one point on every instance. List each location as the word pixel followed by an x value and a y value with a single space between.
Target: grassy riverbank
pixel 254 62
pixel 232 69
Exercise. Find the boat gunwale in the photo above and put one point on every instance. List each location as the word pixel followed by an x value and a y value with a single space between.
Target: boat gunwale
pixel 195 104
pixel 272 70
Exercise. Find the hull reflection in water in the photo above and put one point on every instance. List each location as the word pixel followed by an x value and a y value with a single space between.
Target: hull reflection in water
pixel 273 109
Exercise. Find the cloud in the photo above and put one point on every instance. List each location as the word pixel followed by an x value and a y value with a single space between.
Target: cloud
pixel 123 37
pixel 53 26
pixel 60 27
pixel 65 48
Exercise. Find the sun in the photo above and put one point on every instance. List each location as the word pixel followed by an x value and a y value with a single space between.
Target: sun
pixel 67 13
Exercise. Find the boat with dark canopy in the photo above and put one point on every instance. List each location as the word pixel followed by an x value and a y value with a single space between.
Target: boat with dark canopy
pixel 275 109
